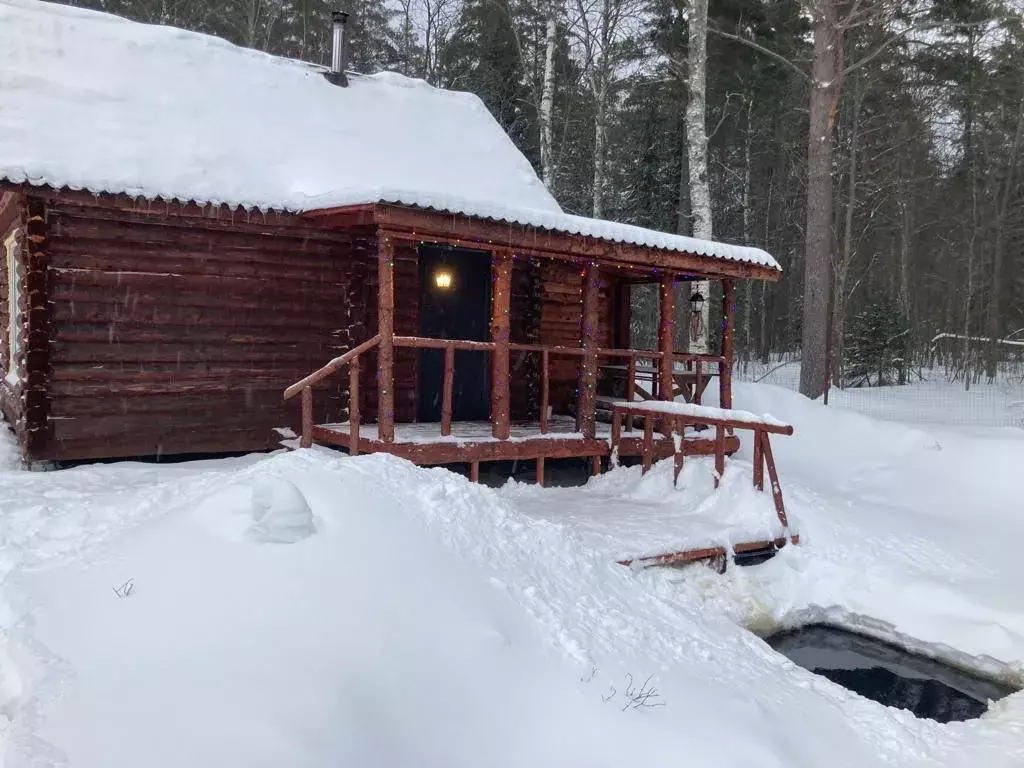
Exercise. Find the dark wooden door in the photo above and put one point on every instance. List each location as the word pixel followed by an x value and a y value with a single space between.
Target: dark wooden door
pixel 460 309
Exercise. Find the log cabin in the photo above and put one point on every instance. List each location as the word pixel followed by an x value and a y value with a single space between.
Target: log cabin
pixel 204 245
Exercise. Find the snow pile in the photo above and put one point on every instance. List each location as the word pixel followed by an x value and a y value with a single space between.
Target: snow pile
pixel 92 101
pixel 401 616
pixel 280 513
pixel 909 525
pixel 624 515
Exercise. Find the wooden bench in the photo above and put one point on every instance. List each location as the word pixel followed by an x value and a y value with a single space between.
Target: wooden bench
pixel 675 417
pixel 690 384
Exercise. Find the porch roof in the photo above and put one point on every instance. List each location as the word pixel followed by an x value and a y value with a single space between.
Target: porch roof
pixel 532 232
pixel 556 221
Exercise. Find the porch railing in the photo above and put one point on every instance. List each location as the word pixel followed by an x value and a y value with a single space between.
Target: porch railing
pixel 663 379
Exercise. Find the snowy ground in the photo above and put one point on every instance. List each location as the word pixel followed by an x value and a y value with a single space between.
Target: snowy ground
pixel 931 398
pixel 307 610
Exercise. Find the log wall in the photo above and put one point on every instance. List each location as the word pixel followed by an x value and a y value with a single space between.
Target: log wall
pixel 178 333
pixel 525 313
pixel 561 325
pixel 162 329
pixel 13 214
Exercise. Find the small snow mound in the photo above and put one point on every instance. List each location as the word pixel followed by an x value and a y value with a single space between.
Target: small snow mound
pixel 280 512
pixel 11 685
pixel 10 455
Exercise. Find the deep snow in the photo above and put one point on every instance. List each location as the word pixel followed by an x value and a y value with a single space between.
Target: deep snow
pixel 306 609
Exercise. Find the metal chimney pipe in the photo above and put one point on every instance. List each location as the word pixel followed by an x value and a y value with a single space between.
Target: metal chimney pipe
pixel 339 48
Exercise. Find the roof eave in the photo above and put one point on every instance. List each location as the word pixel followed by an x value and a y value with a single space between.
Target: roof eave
pixel 475 232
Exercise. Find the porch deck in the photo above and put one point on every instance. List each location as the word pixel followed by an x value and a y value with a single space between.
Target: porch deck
pixel 473 441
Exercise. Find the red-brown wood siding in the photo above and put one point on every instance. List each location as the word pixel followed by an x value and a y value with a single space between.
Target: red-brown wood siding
pixel 12 217
pixel 561 325
pixel 525 311
pixel 178 334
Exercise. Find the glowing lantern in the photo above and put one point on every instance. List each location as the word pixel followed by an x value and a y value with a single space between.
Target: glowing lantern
pixel 443 279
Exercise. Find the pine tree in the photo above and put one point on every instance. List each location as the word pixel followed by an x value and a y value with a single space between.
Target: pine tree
pixel 874 346
pixel 483 57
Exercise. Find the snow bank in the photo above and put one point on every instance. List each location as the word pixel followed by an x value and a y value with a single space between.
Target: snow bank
pixel 92 101
pixel 412 618
pixel 625 515
pixel 905 524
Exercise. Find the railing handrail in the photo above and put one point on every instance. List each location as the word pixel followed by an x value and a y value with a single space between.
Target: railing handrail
pixel 426 342
pixel 322 373
pixel 449 346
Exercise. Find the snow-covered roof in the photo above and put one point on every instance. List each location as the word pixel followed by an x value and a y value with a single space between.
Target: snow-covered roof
pixel 93 101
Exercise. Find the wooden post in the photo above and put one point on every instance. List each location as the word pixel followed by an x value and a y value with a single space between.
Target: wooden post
pixel 725 374
pixel 386 328
pixel 698 382
pixel 773 477
pixel 647 449
pixel 586 403
pixel 474 471
pixel 630 388
pixel 719 453
pixel 544 393
pixel 666 333
pixel 501 262
pixel 306 441
pixel 353 407
pixel 540 471
pixel 446 397
pixel 678 428
pixel 758 460
pixel 616 436
pixel 595 468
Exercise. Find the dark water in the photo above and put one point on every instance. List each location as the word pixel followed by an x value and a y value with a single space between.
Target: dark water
pixel 889 674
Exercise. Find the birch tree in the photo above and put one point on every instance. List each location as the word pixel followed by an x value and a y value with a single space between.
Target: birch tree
pixel 604 33
pixel 547 98
pixel 697 155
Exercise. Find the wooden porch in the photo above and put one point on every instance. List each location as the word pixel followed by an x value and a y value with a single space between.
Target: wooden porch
pixel 473 442
pixel 591 342
pixel 559 424
pixel 553 436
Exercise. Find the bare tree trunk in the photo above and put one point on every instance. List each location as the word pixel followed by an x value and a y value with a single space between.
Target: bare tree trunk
pixel 304 51
pixel 599 153
pixel 999 251
pixel 906 230
pixel 547 98
pixel 748 234
pixel 843 268
pixel 251 23
pixel 764 350
pixel 697 154
pixel 825 72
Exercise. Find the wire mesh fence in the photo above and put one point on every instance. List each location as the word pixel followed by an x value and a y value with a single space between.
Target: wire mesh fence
pixel 933 393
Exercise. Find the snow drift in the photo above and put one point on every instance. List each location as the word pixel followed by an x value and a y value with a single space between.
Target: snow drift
pixel 306 609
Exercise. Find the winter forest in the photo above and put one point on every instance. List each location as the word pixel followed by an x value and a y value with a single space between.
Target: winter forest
pixel 875 147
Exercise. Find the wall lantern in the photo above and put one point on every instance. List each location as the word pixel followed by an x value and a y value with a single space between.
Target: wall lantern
pixel 443 279
pixel 696 316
